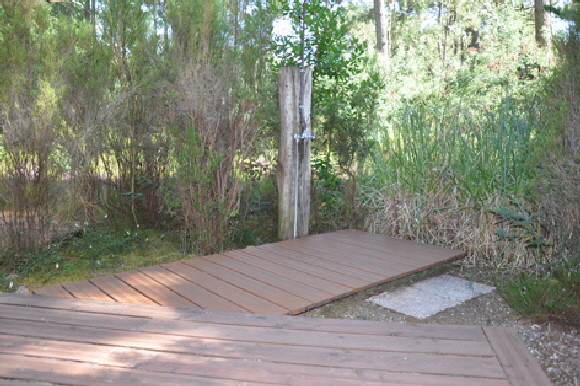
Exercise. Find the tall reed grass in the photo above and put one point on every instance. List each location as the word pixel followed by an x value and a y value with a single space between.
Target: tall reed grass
pixel 462 177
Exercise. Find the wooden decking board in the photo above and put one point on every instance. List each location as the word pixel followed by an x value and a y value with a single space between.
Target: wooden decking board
pixel 380 243
pixel 284 257
pixel 57 291
pixel 87 290
pixel 400 252
pixel 399 246
pixel 348 276
pixel 92 332
pixel 194 293
pixel 520 366
pixel 288 277
pixel 368 256
pixel 119 290
pixel 84 374
pixel 349 258
pixel 83 342
pixel 296 272
pixel 72 345
pixel 251 256
pixel 329 261
pixel 230 328
pixel 147 315
pixel 63 343
pixel 309 293
pixel 234 294
pixel 291 302
pixel 413 255
pixel 60 372
pixel 154 290
pixel 281 284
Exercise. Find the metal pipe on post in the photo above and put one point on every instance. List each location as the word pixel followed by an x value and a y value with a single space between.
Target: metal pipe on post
pixel 294 154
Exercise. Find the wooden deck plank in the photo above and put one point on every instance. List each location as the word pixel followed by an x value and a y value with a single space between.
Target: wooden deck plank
pixel 286 299
pixel 340 254
pixel 119 290
pixel 205 365
pixel 57 291
pixel 226 290
pixel 65 343
pixel 83 342
pixel 304 257
pixel 196 294
pixel 252 256
pixel 146 314
pixel 400 252
pixel 29 327
pixel 88 374
pixel 520 366
pixel 284 258
pixel 86 290
pixel 379 258
pixel 286 277
pixel 311 294
pixel 92 374
pixel 154 290
pixel 356 263
pixel 123 354
pixel 311 354
pixel 315 259
pixel 396 246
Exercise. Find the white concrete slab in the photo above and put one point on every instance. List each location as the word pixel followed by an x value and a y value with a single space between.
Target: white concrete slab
pixel 430 296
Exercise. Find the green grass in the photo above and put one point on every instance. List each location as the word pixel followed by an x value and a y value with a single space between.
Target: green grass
pixel 89 252
pixel 476 151
pixel 547 292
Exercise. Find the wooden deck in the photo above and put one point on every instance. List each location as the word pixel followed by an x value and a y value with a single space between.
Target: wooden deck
pixel 288 277
pixel 57 341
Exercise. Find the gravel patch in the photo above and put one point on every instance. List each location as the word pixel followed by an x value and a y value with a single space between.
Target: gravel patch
pixel 555 346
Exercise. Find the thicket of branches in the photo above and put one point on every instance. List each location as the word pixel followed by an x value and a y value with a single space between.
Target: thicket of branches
pixel 129 113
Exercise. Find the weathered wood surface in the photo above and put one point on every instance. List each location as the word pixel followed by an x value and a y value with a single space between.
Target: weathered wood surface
pixel 288 277
pixel 66 341
pixel 291 150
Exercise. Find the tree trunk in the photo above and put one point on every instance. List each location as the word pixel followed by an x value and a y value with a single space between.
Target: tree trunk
pixel 543 23
pixel 381 27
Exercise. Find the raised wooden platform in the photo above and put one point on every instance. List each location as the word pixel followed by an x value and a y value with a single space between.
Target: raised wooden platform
pixel 288 277
pixel 56 341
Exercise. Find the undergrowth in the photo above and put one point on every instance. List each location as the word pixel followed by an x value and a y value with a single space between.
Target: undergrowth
pixel 546 292
pixel 89 252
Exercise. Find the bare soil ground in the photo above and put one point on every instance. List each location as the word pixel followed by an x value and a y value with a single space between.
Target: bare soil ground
pixel 555 346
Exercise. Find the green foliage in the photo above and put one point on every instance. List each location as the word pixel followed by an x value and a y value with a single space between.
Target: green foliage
pixel 330 48
pixel 550 291
pixel 479 153
pixel 205 206
pixel 346 82
pixel 95 246
pixel 8 283
pixel 327 184
pixel 88 252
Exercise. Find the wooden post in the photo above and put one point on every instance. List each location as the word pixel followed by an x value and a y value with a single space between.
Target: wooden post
pixel 294 151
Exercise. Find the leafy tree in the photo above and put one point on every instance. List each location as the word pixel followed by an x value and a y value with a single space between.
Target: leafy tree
pixel 345 84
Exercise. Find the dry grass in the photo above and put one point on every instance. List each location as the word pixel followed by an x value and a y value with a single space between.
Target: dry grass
pixel 493 232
